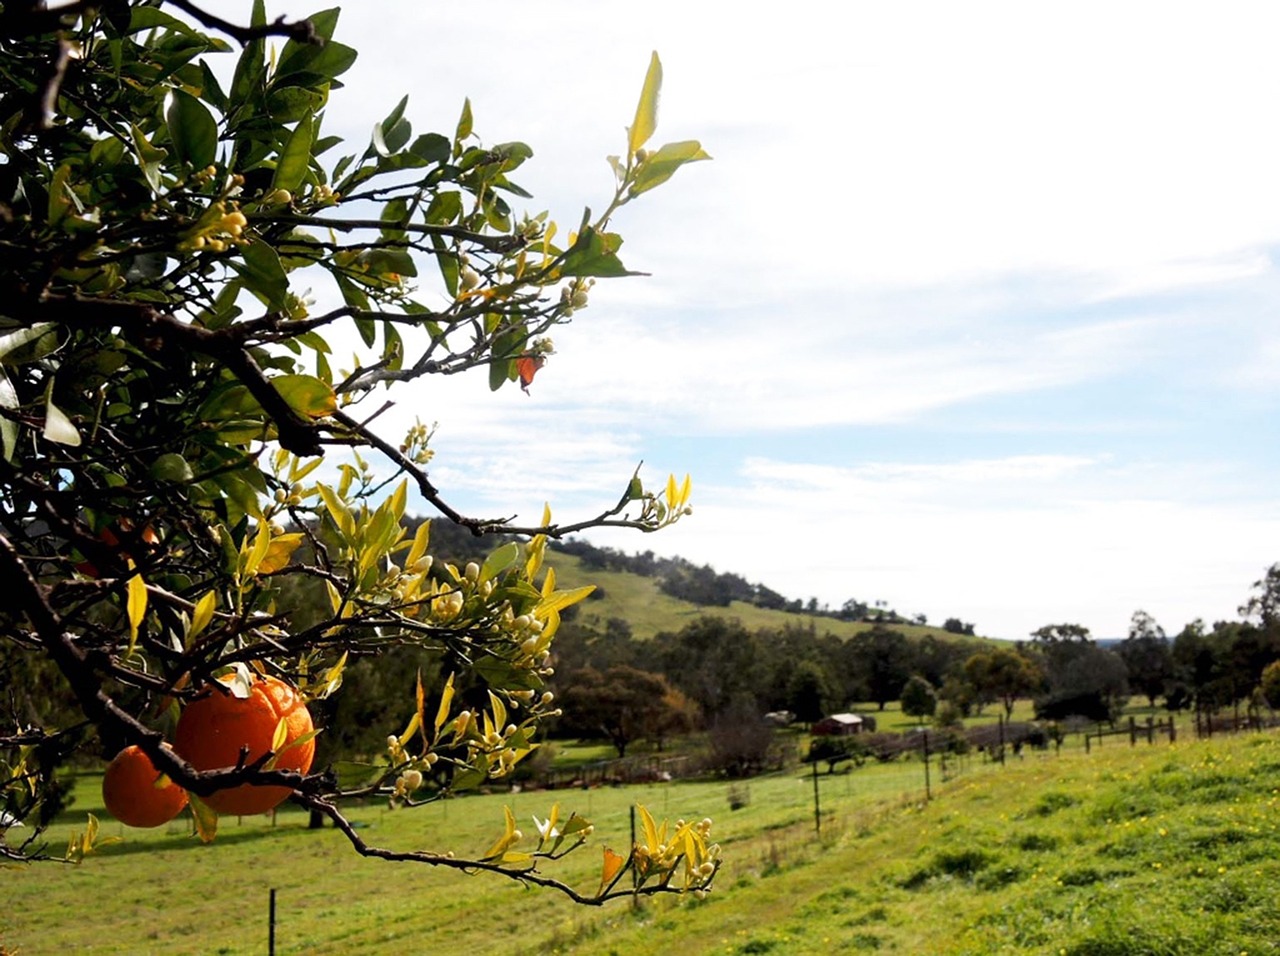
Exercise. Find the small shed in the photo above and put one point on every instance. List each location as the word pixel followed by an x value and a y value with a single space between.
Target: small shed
pixel 837 725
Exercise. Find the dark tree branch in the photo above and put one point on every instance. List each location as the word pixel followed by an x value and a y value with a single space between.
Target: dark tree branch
pixel 301 31
pixel 148 326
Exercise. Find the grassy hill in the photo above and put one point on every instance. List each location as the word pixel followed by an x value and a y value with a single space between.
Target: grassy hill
pixel 1170 850
pixel 641 603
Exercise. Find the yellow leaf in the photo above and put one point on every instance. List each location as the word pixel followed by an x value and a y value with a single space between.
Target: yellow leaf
pixel 279 551
pixel 281 735
pixel 333 676
pixel 414 723
pixel 685 490
pixel 136 607
pixel 646 120
pixel 206 819
pixel 535 552
pixel 421 701
pixel 338 511
pixel 297 473
pixel 613 863
pixel 509 838
pixel 499 711
pixel 560 600
pixel 546 514
pixel 398 498
pixel 420 539
pixel 673 493
pixel 446 699
pixel 261 544
pixel 651 838
pixel 202 615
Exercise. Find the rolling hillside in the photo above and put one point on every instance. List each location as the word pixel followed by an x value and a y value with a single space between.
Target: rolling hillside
pixel 641 603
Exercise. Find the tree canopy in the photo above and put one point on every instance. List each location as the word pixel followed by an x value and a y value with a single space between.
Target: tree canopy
pixel 186 447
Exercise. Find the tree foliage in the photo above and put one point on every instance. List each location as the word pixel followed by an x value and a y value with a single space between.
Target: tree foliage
pixel 625 704
pixel 180 450
pixel 1148 655
pixel 919 698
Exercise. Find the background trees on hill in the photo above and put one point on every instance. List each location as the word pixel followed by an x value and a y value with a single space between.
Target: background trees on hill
pixel 625 704
pixel 1002 674
pixel 1081 678
pixel 877 663
pixel 1148 656
pixel 919 698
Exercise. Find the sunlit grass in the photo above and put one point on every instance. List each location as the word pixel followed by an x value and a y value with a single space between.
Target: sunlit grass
pixel 1147 849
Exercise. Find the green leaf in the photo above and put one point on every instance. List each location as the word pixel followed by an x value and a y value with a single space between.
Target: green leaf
pixel 501 372
pixel 497 562
pixel 326 62
pixel 389 138
pixel 289 104
pixel 595 254
pixel 353 775
pixel 646 120
pixel 396 114
pixel 58 427
pixel 464 123
pixel 192 129
pixel 172 467
pixel 382 262
pixel 660 166
pixel 306 394
pixel 41 337
pixel 150 158
pixel 394 215
pixel 295 158
pixel 431 147
pixel 263 274
pixel 8 427
pixel 444 208
pixel 147 18
pixel 211 89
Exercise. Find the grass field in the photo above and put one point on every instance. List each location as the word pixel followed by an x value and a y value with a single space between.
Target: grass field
pixel 1164 849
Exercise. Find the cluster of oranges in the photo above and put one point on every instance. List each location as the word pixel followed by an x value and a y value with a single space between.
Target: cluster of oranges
pixel 211 734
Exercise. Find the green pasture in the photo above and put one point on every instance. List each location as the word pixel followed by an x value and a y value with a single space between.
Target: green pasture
pixel 1161 849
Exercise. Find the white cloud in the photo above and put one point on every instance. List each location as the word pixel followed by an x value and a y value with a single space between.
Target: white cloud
pixel 936 206
pixel 1042 539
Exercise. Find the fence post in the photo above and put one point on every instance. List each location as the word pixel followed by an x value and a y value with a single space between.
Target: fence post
pixel 1086 743
pixel 635 877
pixel 928 792
pixel 1133 732
pixel 817 809
pixel 271 923
pixel 1173 733
pixel 1000 722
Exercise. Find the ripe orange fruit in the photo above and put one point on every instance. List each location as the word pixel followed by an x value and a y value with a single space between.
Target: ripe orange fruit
pixel 215 726
pixel 130 794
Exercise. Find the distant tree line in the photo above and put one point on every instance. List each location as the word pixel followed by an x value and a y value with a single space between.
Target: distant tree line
pixel 717 666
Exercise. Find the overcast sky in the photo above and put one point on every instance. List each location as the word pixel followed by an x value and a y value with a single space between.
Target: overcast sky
pixel 973 312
